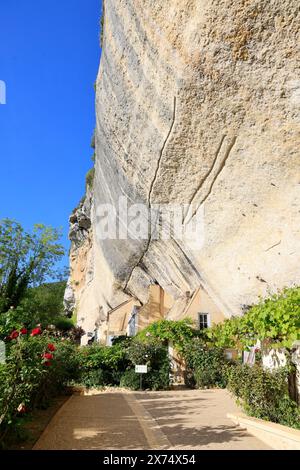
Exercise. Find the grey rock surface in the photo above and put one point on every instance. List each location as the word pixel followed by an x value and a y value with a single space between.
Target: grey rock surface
pixel 198 102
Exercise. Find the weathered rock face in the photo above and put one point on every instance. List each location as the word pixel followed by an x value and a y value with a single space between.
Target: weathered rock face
pixel 197 102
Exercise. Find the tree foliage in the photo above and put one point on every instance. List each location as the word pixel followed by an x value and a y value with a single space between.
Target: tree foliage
pixel 26 259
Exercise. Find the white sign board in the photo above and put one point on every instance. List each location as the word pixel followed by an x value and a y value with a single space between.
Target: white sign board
pixel 141 369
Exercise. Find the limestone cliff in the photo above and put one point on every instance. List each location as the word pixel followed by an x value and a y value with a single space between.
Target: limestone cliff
pixel 197 101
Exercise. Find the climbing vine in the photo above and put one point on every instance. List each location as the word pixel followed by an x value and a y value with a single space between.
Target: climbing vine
pixel 176 332
pixel 275 321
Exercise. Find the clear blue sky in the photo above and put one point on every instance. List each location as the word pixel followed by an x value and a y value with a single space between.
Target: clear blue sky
pixel 49 57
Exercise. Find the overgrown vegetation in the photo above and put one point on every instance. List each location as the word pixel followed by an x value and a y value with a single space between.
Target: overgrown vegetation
pixel 37 368
pixel 38 354
pixel 264 394
pixel 89 178
pixel 101 366
pixel 206 366
pixel 275 321
pixel 176 332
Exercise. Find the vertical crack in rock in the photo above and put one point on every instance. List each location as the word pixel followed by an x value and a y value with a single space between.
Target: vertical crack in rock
pixel 188 260
pixel 222 165
pixel 151 190
pixel 207 174
pixel 162 152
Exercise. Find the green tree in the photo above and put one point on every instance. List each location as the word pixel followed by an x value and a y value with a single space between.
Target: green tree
pixel 26 259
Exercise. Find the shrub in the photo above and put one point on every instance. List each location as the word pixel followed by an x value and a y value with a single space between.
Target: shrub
pixel 63 323
pixel 154 354
pixel 103 365
pixel 158 379
pixel 93 378
pixel 130 379
pixel 89 178
pixel 205 366
pixel 111 358
pixel 37 368
pixel 264 393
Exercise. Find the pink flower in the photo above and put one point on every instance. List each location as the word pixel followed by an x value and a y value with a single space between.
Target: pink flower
pixel 23 331
pixel 36 331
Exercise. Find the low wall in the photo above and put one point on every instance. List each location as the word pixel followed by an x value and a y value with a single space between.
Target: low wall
pixel 275 435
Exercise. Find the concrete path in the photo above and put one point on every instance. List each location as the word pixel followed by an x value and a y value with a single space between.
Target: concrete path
pixel 196 419
pixel 185 419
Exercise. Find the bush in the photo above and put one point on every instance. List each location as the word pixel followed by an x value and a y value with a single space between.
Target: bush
pixel 89 178
pixel 41 305
pixel 205 366
pixel 264 393
pixel 111 358
pixel 103 365
pixel 130 379
pixel 36 369
pixel 155 355
pixel 93 378
pixel 63 323
pixel 158 379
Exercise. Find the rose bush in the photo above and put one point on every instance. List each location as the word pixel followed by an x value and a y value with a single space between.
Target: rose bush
pixel 35 371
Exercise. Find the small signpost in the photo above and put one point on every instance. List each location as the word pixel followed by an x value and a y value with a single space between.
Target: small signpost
pixel 141 370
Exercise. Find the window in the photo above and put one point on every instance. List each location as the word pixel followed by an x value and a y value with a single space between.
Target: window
pixel 204 320
pixel 133 322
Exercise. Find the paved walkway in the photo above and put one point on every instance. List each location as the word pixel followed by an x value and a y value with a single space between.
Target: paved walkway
pixel 185 419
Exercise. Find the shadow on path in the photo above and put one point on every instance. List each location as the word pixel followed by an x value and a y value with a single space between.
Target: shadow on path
pixel 196 419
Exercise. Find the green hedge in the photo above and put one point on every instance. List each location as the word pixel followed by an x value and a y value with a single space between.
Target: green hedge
pixel 102 365
pixel 264 393
pixel 206 366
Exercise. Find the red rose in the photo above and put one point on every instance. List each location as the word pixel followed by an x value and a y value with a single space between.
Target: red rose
pixel 36 331
pixel 47 363
pixel 48 356
pixel 23 331
pixel 51 347
pixel 14 334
